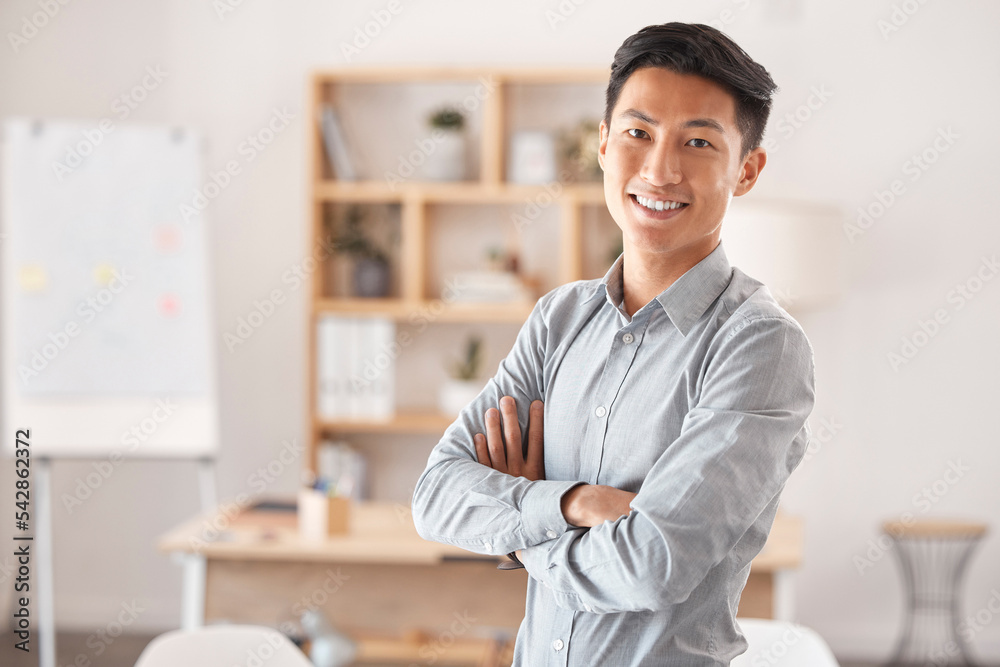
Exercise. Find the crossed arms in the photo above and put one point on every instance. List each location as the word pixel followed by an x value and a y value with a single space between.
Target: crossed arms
pixel 583 506
pixel 602 549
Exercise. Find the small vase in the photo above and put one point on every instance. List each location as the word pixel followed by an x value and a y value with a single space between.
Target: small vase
pixel 456 394
pixel 446 160
pixel 371 278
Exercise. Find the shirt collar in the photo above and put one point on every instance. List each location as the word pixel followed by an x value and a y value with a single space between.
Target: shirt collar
pixel 687 299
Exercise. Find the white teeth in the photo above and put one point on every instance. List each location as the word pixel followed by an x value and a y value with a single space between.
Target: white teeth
pixel 656 205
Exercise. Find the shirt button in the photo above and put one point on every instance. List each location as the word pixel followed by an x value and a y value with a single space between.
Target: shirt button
pixel 588 607
pixel 551 534
pixel 627 338
pixel 601 411
pixel 557 644
pixel 487 546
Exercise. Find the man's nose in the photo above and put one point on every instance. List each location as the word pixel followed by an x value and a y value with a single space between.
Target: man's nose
pixel 662 165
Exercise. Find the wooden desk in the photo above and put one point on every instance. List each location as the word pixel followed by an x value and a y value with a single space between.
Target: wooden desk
pixel 383 576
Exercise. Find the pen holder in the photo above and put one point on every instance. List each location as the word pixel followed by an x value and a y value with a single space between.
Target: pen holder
pixel 321 516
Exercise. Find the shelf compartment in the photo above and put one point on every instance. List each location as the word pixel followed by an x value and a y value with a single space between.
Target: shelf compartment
pixel 472 192
pixel 431 310
pixel 411 421
pixel 382 225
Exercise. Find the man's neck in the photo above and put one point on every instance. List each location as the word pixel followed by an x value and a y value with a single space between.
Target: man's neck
pixel 645 275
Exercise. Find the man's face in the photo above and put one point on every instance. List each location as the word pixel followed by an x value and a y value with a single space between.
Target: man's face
pixel 673 139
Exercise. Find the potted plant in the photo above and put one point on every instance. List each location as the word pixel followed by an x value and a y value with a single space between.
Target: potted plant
pixel 370 276
pixel 446 159
pixel 578 148
pixel 463 386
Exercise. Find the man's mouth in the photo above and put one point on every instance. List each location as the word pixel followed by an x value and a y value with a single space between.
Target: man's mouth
pixel 664 207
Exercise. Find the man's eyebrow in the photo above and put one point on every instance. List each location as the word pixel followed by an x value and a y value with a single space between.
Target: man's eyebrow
pixel 710 123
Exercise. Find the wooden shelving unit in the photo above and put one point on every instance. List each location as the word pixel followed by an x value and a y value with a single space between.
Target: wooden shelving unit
pixel 414 199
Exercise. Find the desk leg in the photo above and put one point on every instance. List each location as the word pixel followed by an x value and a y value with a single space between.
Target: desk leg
pixel 43 576
pixel 193 592
pixel 784 596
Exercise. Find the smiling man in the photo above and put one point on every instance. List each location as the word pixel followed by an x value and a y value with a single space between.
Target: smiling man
pixel 647 421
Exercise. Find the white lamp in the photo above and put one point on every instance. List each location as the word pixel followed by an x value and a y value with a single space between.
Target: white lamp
pixel 793 247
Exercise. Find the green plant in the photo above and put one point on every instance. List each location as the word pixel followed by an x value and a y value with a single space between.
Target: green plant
pixel 468 368
pixel 578 147
pixel 447 118
pixel 351 239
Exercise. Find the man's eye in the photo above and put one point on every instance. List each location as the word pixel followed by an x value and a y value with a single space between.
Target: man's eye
pixel 638 130
pixel 701 143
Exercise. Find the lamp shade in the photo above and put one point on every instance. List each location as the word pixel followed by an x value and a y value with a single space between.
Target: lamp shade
pixel 793 247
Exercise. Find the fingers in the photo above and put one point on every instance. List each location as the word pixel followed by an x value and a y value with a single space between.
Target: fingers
pixel 512 431
pixel 534 465
pixel 494 440
pixel 482 454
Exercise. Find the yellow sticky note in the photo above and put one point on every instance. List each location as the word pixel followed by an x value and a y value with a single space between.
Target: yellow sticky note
pixel 104 274
pixel 32 278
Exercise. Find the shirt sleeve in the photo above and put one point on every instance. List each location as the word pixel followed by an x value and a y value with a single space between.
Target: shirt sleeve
pixel 736 449
pixel 458 500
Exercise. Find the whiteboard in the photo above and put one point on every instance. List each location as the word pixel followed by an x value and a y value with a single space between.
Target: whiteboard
pixel 106 314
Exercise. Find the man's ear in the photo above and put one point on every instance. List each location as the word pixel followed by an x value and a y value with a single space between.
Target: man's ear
pixel 604 144
pixel 753 164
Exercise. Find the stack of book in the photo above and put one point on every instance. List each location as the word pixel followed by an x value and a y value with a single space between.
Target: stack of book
pixel 357 367
pixel 488 286
pixel 335 139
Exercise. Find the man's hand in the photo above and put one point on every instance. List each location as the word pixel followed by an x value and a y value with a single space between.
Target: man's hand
pixel 492 451
pixel 590 505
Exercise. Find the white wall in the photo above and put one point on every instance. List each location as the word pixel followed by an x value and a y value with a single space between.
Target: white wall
pixel 896 431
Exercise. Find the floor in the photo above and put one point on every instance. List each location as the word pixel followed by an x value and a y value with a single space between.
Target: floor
pixel 120 652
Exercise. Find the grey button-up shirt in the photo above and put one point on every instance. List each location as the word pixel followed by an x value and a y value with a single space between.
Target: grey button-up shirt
pixel 697 403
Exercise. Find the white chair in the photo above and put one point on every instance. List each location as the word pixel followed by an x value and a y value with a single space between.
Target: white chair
pixel 221 646
pixel 781 644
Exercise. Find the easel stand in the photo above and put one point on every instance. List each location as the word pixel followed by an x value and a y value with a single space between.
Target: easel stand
pixel 42 579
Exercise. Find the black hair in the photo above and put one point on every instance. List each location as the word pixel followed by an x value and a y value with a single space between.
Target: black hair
pixel 694 48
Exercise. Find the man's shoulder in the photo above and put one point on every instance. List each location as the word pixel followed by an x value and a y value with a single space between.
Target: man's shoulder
pixel 568 296
pixel 747 301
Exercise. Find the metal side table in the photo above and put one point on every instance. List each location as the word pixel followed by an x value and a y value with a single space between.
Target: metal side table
pixel 933 556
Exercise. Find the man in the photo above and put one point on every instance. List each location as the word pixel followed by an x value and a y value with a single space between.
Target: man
pixel 674 391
